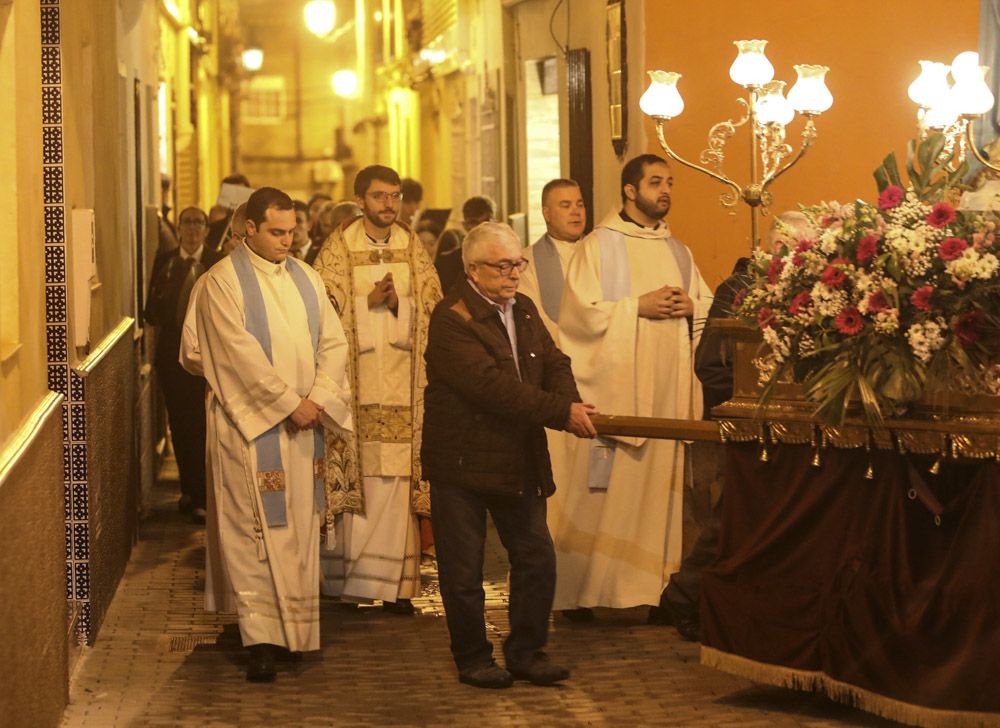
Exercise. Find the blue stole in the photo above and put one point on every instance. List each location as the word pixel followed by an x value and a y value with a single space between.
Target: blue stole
pixel 270 470
pixel 550 276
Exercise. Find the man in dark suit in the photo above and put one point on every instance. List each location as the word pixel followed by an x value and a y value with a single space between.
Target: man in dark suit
pixel 495 380
pixel 174 274
pixel 448 260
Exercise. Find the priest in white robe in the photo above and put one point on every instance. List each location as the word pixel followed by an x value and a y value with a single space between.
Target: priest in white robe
pixel 632 307
pixel 274 353
pixel 378 275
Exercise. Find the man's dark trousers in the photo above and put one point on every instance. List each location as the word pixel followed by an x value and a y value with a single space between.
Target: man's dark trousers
pixel 459 524
pixel 184 396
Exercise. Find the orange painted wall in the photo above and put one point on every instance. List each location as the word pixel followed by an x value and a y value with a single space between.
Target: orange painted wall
pixel 872 49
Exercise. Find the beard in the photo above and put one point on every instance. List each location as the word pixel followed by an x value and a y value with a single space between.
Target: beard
pixel 376 218
pixel 650 207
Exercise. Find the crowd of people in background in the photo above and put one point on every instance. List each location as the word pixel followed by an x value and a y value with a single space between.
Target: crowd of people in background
pixel 377 384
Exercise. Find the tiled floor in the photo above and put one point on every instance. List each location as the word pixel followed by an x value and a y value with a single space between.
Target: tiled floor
pixel 160 660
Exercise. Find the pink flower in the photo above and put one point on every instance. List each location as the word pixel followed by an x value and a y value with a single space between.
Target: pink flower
pixel 867 247
pixel 878 302
pixel 774 270
pixel 801 301
pixel 765 317
pixel 849 321
pixel 940 215
pixel 921 298
pixel 969 327
pixel 891 196
pixel 952 248
pixel 834 277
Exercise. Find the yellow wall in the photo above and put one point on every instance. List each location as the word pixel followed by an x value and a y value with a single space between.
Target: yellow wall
pixel 872 50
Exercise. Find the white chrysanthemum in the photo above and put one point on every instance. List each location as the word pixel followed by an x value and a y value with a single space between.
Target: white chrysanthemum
pixel 828 241
pixel 828 301
pixel 887 322
pixel 925 338
pixel 779 344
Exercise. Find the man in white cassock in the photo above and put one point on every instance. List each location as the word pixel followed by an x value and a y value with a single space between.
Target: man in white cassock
pixel 632 308
pixel 380 279
pixel 274 353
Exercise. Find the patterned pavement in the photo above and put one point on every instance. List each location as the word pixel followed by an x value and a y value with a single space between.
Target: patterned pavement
pixel 160 660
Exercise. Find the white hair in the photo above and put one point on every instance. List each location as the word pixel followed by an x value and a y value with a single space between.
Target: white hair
pixel 484 234
pixel 790 224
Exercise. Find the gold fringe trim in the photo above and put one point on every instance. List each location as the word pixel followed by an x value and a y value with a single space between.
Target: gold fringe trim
pixel 842 692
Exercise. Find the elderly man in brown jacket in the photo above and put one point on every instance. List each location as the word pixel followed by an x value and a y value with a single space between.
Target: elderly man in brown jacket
pixel 495 380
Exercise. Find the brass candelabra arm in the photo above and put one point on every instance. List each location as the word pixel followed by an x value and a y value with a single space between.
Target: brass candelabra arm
pixel 728 199
pixel 971 142
pixel 773 149
pixel 809 135
pixel 721 133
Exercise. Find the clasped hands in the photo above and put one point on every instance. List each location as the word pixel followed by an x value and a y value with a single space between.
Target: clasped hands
pixel 305 416
pixel 666 302
pixel 384 291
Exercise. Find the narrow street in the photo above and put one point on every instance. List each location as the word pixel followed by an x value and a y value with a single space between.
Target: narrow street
pixel 160 660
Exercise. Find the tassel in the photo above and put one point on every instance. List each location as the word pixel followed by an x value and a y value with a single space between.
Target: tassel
pixel 816 459
pixel 935 468
pixel 870 472
pixel 331 536
pixel 764 457
pixel 261 547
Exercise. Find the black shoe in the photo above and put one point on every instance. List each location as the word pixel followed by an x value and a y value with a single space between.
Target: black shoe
pixel 198 515
pixel 580 614
pixel 538 670
pixel 490 676
pixel 400 606
pixel 261 665
pixel 661 616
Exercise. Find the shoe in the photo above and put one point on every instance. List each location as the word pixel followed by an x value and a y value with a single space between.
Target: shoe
pixel 286 655
pixel 400 606
pixel 539 670
pixel 198 515
pixel 490 676
pixel 688 628
pixel 185 504
pixel 580 614
pixel 261 666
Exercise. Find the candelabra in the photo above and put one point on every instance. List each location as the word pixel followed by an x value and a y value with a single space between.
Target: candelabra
pixel 766 113
pixel 952 108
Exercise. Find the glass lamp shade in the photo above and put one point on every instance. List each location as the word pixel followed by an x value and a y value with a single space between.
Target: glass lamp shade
pixel 810 95
pixel 971 95
pixel 965 67
pixel 772 107
pixel 320 17
pixel 252 59
pixel 940 116
pixel 662 99
pixel 751 67
pixel 930 88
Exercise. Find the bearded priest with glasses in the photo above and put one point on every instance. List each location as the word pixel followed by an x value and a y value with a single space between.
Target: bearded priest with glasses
pixel 381 281
pixel 495 381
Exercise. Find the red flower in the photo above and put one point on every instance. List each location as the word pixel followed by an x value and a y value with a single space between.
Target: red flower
pixel 878 302
pixel 799 303
pixel 774 270
pixel 867 247
pixel 890 197
pixel 740 295
pixel 804 245
pixel 940 215
pixel 765 317
pixel 921 298
pixel 834 277
pixel 969 327
pixel 849 321
pixel 798 260
pixel 952 248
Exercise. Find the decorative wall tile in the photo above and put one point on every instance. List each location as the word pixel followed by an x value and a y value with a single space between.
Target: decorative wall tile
pixel 78 422
pixel 59 378
pixel 51 105
pixel 55 342
pixel 81 541
pixel 52 185
pixel 51 66
pixel 77 388
pixel 81 580
pixel 55 227
pixel 50 25
pixel 52 145
pixel 78 461
pixel 55 264
pixel 55 307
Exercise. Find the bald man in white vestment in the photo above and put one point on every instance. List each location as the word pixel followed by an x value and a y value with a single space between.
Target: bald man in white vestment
pixel 630 316
pixel 274 353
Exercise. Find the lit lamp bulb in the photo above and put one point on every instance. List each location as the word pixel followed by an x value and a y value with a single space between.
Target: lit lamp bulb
pixel 751 67
pixel 320 17
pixel 344 83
pixel 772 107
pixel 965 67
pixel 941 115
pixel 810 95
pixel 252 59
pixel 971 94
pixel 662 99
pixel 931 87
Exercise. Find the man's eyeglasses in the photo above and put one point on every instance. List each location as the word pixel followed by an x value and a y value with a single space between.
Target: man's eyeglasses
pixel 506 267
pixel 381 196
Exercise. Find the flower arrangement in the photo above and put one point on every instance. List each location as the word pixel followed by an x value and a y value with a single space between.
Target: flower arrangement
pixel 882 303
